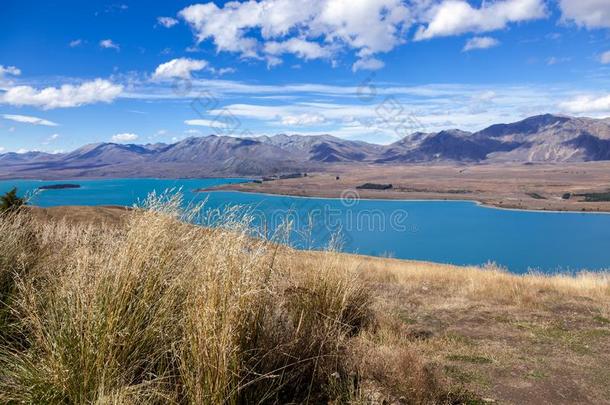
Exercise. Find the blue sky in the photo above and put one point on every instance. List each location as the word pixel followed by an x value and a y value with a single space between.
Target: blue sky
pixel 73 73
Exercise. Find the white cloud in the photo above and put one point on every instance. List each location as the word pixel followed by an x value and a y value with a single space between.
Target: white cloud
pixel 587 104
pixel 480 43
pixel 367 27
pixel 124 137
pixel 50 139
pixel 193 132
pixel 181 67
pixel 206 123
pixel 109 44
pixel 167 22
pixel 224 71
pixel 367 64
pixel 454 17
pixel 587 13
pixel 75 43
pixel 2 149
pixel 605 58
pixel 303 119
pixel 300 47
pixel 68 95
pixel 9 70
pixel 28 119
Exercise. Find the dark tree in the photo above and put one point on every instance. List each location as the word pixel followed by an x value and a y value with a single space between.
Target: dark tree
pixel 10 201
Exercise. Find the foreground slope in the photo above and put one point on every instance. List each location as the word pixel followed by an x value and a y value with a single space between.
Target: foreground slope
pixel 381 329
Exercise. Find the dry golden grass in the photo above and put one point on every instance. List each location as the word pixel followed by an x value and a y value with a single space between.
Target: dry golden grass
pixel 146 308
pixel 164 312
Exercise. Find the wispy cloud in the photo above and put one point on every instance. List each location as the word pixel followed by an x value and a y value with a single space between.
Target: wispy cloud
pixel 109 44
pixel 124 137
pixel 76 43
pixel 167 22
pixel 28 119
pixel 588 104
pixel 206 123
pixel 480 43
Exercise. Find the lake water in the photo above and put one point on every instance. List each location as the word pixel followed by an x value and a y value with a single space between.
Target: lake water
pixel 457 232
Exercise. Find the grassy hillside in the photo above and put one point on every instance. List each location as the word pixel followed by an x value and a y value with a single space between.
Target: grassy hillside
pixel 116 306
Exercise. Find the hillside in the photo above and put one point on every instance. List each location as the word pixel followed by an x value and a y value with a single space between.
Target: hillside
pixel 117 306
pixel 545 138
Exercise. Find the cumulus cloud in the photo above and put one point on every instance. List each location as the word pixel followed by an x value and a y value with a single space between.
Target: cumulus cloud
pixel 586 13
pixel 68 95
pixel 124 137
pixel 367 64
pixel 480 43
pixel 300 47
pixel 167 22
pixel 181 68
pixel 28 119
pixel 9 70
pixel 367 27
pixel 454 17
pixel 587 104
pixel 605 58
pixel 75 43
pixel 109 44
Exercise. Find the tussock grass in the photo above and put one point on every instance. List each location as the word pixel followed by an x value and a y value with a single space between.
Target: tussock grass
pixel 489 283
pixel 159 311
pixel 151 309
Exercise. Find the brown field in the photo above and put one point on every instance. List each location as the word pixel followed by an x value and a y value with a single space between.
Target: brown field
pixel 536 187
pixel 440 333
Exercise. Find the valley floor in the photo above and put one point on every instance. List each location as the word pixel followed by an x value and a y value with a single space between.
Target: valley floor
pixel 535 187
pixel 502 337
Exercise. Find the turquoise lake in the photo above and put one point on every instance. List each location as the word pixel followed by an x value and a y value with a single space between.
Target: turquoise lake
pixel 457 232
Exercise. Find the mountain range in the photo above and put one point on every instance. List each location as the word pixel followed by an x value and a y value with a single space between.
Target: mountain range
pixel 541 138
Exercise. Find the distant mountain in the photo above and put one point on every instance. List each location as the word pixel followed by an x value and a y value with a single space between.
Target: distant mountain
pixel 542 138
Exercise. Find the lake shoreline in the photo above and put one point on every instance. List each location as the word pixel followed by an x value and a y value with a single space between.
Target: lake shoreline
pixel 544 187
pixel 484 204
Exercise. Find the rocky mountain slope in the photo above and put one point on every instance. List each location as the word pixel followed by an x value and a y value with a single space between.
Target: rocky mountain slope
pixel 543 138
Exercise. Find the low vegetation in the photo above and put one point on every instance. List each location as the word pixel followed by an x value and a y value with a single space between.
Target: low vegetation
pixel 10 201
pixel 597 197
pixel 150 309
pixel 157 310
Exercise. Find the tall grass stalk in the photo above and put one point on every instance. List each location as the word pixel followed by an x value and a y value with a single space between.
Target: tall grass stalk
pixel 160 311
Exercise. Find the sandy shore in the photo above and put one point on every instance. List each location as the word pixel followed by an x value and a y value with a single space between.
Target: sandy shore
pixel 527 187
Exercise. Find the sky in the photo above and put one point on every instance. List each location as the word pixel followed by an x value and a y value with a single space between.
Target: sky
pixel 73 73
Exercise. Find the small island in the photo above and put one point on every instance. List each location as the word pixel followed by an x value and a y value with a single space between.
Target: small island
pixel 58 186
